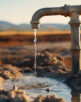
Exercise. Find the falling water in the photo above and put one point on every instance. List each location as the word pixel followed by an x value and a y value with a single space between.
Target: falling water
pixel 35 49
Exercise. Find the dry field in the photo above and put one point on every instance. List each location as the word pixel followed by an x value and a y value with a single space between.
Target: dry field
pixel 12 38
pixel 38 33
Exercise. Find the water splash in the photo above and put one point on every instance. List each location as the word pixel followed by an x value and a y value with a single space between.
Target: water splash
pixel 35 49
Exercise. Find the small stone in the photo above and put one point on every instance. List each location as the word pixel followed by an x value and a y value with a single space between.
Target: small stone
pixel 39 98
pixel 47 89
pixel 60 58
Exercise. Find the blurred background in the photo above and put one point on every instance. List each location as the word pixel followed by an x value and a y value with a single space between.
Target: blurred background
pixel 15 15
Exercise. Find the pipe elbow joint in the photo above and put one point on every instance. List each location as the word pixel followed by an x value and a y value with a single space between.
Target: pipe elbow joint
pixel 35 19
pixel 46 12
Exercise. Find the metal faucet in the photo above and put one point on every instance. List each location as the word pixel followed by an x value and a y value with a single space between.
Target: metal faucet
pixel 73 12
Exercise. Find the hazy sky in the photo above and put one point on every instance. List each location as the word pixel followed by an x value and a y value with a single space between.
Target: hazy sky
pixel 21 11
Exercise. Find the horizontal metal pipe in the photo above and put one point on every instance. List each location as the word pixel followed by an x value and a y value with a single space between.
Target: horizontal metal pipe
pixel 64 10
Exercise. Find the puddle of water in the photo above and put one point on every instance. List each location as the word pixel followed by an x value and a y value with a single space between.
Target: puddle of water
pixel 35 86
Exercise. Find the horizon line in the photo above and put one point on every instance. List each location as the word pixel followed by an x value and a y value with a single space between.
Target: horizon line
pixel 29 23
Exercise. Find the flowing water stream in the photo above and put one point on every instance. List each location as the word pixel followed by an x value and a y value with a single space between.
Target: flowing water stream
pixel 35 49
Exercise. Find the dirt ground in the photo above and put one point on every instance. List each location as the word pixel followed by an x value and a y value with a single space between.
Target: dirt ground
pixel 50 59
pixel 17 57
pixel 53 56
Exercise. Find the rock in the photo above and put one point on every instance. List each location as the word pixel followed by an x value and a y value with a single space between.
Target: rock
pixel 17 96
pixel 54 98
pixel 40 98
pixel 13 96
pixel 49 98
pixel 9 72
pixel 60 58
pixel 55 60
pixel 47 89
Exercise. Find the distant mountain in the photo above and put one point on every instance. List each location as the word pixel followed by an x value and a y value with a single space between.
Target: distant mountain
pixel 51 26
pixel 24 27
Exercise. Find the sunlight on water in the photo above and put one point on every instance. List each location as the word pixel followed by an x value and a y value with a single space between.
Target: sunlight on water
pixel 35 49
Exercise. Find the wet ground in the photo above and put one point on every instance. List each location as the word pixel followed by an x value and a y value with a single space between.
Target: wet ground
pixel 35 86
pixel 53 68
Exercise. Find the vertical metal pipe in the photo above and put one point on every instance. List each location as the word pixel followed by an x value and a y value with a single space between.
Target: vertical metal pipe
pixel 75 42
pixel 76 61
